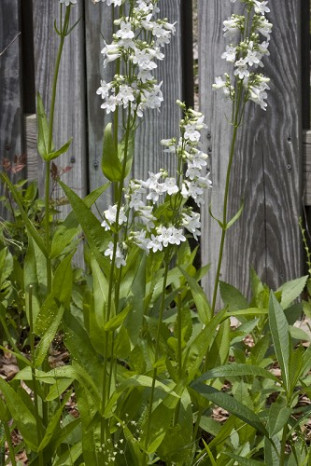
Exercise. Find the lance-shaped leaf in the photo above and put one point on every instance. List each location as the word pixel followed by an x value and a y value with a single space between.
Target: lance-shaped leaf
pixel 230 404
pixel 237 370
pixel 111 165
pixel 70 227
pixel 43 130
pixel 29 225
pixel 280 336
pixel 22 415
pixel 57 153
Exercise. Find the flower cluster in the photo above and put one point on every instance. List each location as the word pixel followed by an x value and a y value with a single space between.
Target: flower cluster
pixel 249 41
pixel 155 213
pixel 68 2
pixel 138 44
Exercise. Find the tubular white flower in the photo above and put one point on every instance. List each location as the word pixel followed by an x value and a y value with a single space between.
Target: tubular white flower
pixel 247 54
pixel 68 2
pixel 128 46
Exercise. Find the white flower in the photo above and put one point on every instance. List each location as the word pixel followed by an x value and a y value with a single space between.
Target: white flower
pixel 111 216
pixel 230 54
pixel 219 83
pixel 140 239
pixel 191 133
pixel 169 186
pixel 110 104
pixel 261 7
pixel 155 244
pixel 119 258
pixel 170 235
pixel 125 95
pixel 146 216
pixel 104 88
pixel 125 31
pixel 68 2
pixel 192 223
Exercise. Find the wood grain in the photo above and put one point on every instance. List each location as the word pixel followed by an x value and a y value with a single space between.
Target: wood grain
pixel 70 115
pixel 11 112
pixel 267 167
pixel 306 188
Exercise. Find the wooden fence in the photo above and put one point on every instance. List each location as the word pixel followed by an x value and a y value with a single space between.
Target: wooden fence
pixel 271 170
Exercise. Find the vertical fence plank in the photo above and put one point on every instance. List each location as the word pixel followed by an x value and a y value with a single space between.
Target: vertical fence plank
pixel 267 168
pixel 155 125
pixel 11 112
pixel 70 100
pixel 98 27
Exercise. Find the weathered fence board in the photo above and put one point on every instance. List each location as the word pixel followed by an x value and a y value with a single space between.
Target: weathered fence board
pixel 11 114
pixel 267 169
pixel 70 101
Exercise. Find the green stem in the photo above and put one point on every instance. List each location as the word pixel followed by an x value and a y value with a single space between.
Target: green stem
pixel 10 444
pixel 283 445
pixel 33 373
pixel 107 381
pixel 236 124
pixel 179 344
pixel 157 348
pixel 64 31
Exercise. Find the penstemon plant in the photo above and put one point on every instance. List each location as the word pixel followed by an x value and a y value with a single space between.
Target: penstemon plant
pixel 248 36
pixel 150 358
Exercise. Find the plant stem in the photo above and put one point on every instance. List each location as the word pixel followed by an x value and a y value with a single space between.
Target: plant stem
pixel 9 442
pixel 179 344
pixel 236 123
pixel 157 348
pixel 224 218
pixel 33 373
pixel 283 445
pixel 64 30
pixel 107 381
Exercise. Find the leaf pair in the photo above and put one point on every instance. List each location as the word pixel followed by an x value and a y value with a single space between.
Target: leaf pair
pixel 46 147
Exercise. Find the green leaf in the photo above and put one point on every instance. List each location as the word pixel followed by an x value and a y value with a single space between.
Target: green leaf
pixel 232 297
pixel 43 130
pixel 134 321
pixel 70 227
pixel 70 455
pixel 62 281
pixel 198 346
pixel 236 370
pixel 117 320
pixel 229 403
pixel 278 418
pixel 271 455
pixel 53 425
pixel 29 225
pixel 5 415
pixel 53 314
pixel 6 265
pixel 199 298
pixel 111 165
pixel 298 333
pixel 160 422
pixel 251 311
pixel 62 150
pixel 292 290
pixel 95 234
pixel 235 217
pixel 280 336
pixel 244 461
pixel 130 152
pixel 22 415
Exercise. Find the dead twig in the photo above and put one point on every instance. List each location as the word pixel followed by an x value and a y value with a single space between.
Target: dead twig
pixel 9 45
